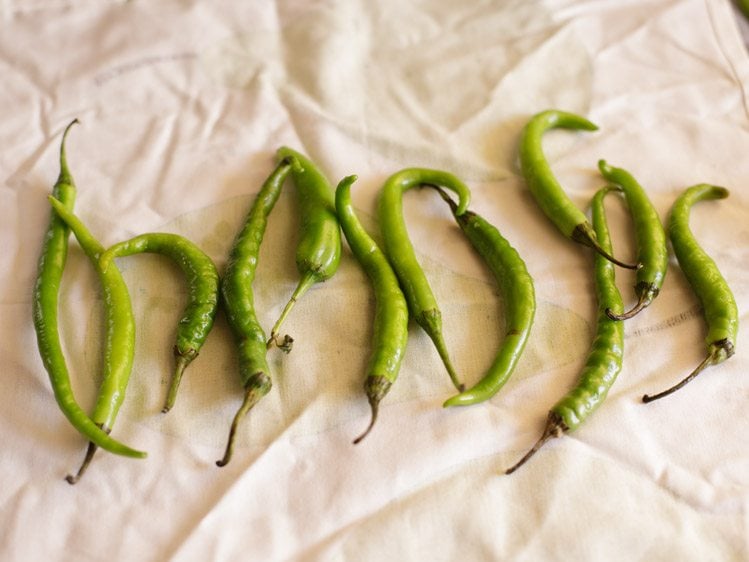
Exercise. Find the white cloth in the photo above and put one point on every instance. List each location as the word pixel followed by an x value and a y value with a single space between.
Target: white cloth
pixel 182 105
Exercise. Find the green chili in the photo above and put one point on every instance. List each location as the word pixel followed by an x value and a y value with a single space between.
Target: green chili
pixel 517 293
pixel 545 188
pixel 604 359
pixel 119 344
pixel 401 255
pixel 45 304
pixel 650 238
pixel 202 280
pixel 718 303
pixel 318 251
pixel 391 311
pixel 238 299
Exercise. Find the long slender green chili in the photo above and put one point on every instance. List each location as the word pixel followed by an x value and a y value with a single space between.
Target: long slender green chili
pixel 45 304
pixel 718 304
pixel 318 251
pixel 604 359
pixel 391 312
pixel 239 303
pixel 545 188
pixel 518 295
pixel 202 280
pixel 650 238
pixel 401 255
pixel 119 344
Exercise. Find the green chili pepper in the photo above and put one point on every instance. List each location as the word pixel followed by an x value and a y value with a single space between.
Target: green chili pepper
pixel 545 188
pixel 708 284
pixel 318 252
pixel 604 360
pixel 401 255
pixel 238 299
pixel 202 279
pixel 518 295
pixel 391 312
pixel 119 344
pixel 45 304
pixel 650 238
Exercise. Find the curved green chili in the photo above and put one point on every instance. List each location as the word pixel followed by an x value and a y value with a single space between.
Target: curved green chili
pixel 119 343
pixel 518 295
pixel 318 252
pixel 604 359
pixel 238 299
pixel 202 280
pixel 545 188
pixel 650 238
pixel 391 310
pixel 45 304
pixel 718 304
pixel 401 255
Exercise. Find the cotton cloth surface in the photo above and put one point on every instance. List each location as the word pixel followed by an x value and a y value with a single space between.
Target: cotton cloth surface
pixel 182 105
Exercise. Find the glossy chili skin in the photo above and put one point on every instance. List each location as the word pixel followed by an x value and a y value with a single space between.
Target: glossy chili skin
pixel 543 185
pixel 518 296
pixel 707 282
pixel 318 251
pixel 119 338
pixel 650 238
pixel 401 255
pixel 202 279
pixel 238 302
pixel 45 305
pixel 604 360
pixel 391 311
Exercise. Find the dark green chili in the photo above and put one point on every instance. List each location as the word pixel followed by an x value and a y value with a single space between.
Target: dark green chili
pixel 604 359
pixel 238 299
pixel 518 295
pixel 545 188
pixel 45 304
pixel 202 280
pixel 391 312
pixel 119 344
pixel 650 238
pixel 318 252
pixel 401 255
pixel 708 284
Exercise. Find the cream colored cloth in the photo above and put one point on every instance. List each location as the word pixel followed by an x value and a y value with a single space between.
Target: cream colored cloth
pixel 182 105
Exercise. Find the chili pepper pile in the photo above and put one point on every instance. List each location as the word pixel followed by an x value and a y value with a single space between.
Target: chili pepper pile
pixel 400 286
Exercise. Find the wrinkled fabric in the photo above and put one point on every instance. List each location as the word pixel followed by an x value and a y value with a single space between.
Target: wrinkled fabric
pixel 182 105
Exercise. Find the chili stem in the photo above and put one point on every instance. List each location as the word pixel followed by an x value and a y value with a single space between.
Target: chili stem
pixel 642 303
pixel 554 428
pixel 174 387
pixel 251 397
pixel 375 408
pixel 581 236
pixel 307 280
pixel 705 362
pixel 439 343
pixel 90 452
